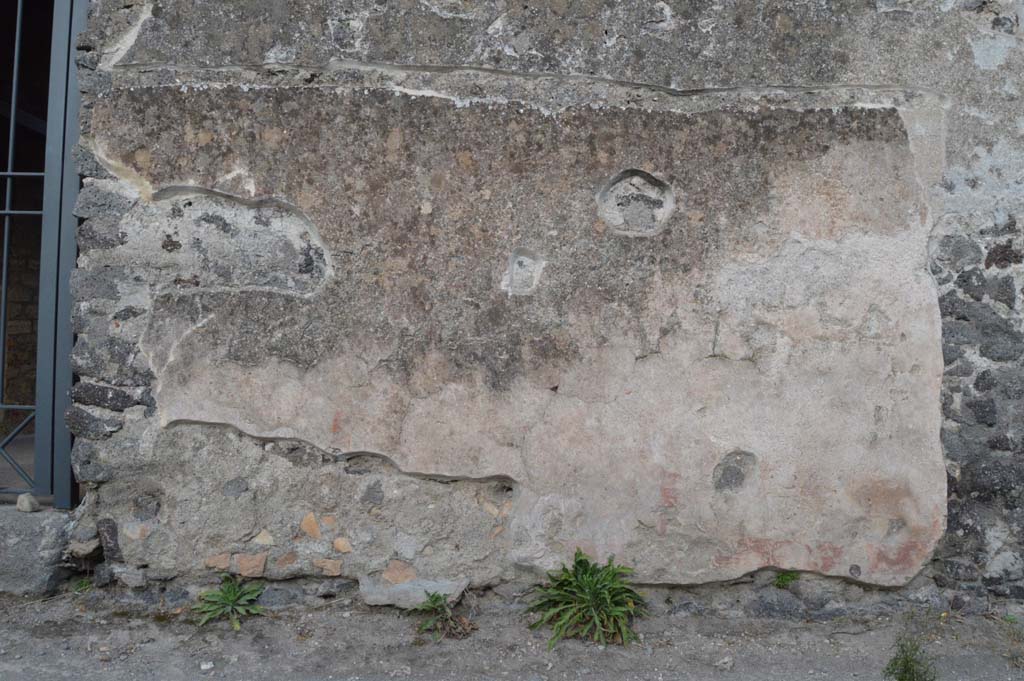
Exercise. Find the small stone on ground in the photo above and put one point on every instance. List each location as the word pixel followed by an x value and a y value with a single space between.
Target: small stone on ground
pixel 27 503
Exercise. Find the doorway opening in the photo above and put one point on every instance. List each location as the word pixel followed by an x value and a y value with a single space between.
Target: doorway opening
pixel 38 186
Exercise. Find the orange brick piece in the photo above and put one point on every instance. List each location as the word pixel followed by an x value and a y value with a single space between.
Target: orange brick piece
pixel 219 562
pixel 286 560
pixel 328 566
pixel 251 564
pixel 398 572
pixel 310 526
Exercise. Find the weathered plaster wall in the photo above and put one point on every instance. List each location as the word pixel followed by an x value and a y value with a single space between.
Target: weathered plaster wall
pixel 422 292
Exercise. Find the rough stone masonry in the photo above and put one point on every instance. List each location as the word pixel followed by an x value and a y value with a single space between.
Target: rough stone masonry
pixel 427 293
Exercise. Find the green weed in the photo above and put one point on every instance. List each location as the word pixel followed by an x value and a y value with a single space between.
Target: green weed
pixel 589 601
pixel 233 600
pixel 440 620
pixel 909 662
pixel 784 579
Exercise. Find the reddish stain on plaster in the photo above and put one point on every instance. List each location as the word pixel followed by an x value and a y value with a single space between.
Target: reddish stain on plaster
pixel 782 553
pixel 668 496
pixel 766 550
pixel 824 556
pixel 904 557
pixel 886 498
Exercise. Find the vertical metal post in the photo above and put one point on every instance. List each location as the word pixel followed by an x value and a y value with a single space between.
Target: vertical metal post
pixel 65 490
pixel 57 257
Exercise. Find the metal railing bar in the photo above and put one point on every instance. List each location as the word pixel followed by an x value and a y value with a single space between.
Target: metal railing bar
pixel 20 212
pixel 13 129
pixel 17 431
pixel 17 467
pixel 18 407
pixel 13 490
pixel 29 122
pixel 10 438
pixel 20 173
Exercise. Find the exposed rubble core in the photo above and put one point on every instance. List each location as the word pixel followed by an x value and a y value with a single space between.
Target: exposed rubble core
pixel 425 295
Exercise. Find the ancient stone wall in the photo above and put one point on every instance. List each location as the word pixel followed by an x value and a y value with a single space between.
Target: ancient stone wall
pixel 428 293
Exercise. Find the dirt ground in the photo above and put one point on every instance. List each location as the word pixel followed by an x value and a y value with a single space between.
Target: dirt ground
pixel 85 637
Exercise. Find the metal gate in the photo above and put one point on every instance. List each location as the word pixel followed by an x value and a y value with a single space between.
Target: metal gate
pixel 49 211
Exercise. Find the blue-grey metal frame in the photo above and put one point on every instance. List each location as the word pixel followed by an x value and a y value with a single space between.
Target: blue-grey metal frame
pixel 51 474
pixel 9 174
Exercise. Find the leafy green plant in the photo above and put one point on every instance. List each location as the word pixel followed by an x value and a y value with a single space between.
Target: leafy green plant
pixel 589 601
pixel 909 662
pixel 441 620
pixel 785 578
pixel 233 600
pixel 81 586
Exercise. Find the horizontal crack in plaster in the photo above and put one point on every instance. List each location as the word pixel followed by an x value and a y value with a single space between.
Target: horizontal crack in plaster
pixel 759 90
pixel 399 72
pixel 392 68
pixel 340 456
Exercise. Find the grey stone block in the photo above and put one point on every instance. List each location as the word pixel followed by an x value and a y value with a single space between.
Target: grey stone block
pixel 31 547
